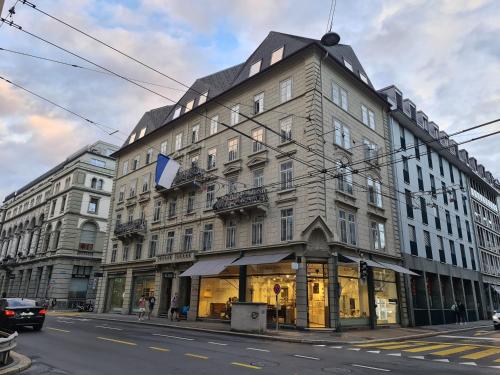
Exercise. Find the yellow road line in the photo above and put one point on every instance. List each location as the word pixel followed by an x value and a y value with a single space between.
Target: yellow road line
pixel 246 365
pixel 458 349
pixel 378 343
pixel 58 330
pixel 411 345
pixel 454 343
pixel 118 341
pixel 159 349
pixel 426 348
pixel 196 356
pixel 481 354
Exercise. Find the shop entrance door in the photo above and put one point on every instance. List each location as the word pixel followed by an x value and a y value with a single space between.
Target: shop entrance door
pixel 317 295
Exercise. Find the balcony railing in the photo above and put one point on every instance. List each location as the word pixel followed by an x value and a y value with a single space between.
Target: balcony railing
pixel 186 178
pixel 242 200
pixel 136 228
pixel 183 256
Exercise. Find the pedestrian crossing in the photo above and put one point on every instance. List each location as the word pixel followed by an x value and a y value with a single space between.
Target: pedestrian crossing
pixel 438 351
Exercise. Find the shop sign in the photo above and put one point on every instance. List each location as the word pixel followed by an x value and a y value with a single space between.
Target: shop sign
pixel 295 266
pixel 168 275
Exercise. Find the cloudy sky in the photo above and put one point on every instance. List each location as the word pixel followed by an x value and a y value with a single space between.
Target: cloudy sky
pixel 443 54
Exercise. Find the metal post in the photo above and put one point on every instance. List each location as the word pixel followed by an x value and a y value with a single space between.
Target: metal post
pixel 242 288
pixel 371 299
pixel 277 316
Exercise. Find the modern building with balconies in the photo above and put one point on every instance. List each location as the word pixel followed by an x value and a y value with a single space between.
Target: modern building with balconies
pixel 54 228
pixel 280 183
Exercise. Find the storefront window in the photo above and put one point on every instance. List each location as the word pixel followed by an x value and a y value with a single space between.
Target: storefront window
pixel 141 285
pixel 386 296
pixel 116 290
pixel 217 295
pixel 353 301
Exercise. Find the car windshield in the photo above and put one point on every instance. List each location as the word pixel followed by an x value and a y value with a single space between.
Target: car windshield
pixel 21 303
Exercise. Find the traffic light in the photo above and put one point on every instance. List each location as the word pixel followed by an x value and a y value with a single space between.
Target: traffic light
pixel 363 270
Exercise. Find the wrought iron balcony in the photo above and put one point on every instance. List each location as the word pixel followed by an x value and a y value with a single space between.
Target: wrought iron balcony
pixel 136 228
pixel 241 201
pixel 186 178
pixel 178 257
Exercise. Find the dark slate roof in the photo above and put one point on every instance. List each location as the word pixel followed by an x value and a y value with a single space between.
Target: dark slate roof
pixel 226 79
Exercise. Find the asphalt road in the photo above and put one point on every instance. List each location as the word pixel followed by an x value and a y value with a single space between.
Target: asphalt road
pixel 72 345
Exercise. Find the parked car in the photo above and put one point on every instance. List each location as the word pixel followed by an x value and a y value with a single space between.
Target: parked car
pixel 496 320
pixel 21 312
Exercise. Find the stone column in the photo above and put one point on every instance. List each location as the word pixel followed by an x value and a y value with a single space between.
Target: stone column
pixel 34 242
pixel 333 292
pixel 158 291
pixel 301 287
pixel 5 246
pixel 195 295
pixel 15 242
pixel 127 293
pixel 102 288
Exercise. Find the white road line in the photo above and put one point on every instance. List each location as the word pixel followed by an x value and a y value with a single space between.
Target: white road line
pixel 470 338
pixel 469 363
pixel 395 354
pixel 336 347
pixel 354 349
pixel 173 337
pixel 372 368
pixel 320 345
pixel 306 357
pixel 442 360
pixel 416 356
pixel 113 328
pixel 373 351
pixel 259 350
pixel 217 343
pixel 494 366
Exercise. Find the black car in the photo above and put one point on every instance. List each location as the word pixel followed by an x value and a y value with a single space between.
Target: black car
pixel 21 312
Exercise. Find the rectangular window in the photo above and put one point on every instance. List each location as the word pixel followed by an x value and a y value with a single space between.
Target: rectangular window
pixel 177 112
pixel 448 222
pixel 427 243
pixel 232 184
pixel 258 177
pixel 138 250
pixel 136 162
pixel 433 187
pixel 231 234
pixel 98 163
pixel 195 133
pixel 344 178
pixel 125 167
pixel 63 204
pixel 208 236
pixel 191 201
pixel 454 198
pixel 172 207
pixel 459 226
pixel 472 258
pixel 347 227
pixel 371 151
pixel 178 142
pixel 444 192
pixel 452 175
pixel 257 226
pixel 157 211
pixel 409 204
pixel 130 215
pixel 453 253
pixel 441 167
pixel 417 148
pixel 286 129
pixel 348 65
pixel 339 96
pixel 170 242
pixel 232 149
pixel 125 253
pixel 149 156
pixel 423 209
pixel 235 114
pixel 378 235
pixel 132 189
pixel 342 134
pixel 368 117
pixel 212 158
pixel 437 217
pixel 412 235
pixel 442 257
pixel 464 204
pixel 203 98
pixel 374 192
pixel 93 206
pixel 189 106
pixel 258 138
pixel 464 256
pixel 258 103
pixel 145 183
pixel 163 148
pixel 406 170
pixel 210 196
pixel 286 175
pixel 429 156
pixel 255 68
pixel 287 224
pixel 113 253
pixel 152 246
pixel 420 179
pixel 286 90
pixel 467 229
pixel 214 123
pixel 188 239
pixel 402 138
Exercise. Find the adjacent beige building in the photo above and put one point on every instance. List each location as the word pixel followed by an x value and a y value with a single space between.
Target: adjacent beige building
pixel 281 183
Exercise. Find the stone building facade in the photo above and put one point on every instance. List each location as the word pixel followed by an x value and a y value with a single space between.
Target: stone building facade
pixel 54 228
pixel 280 184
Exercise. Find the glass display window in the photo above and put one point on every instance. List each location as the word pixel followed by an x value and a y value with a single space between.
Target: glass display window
pixel 217 294
pixel 386 301
pixel 141 285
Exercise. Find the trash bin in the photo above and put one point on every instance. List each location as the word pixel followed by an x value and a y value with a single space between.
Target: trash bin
pixel 249 317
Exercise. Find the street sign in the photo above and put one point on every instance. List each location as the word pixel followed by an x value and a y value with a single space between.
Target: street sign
pixel 277 288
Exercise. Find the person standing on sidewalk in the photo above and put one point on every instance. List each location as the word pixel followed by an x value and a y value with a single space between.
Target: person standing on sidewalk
pixel 151 305
pixel 455 309
pixel 462 313
pixel 174 307
pixel 142 307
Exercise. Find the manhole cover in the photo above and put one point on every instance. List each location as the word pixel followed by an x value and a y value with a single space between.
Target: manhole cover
pixel 337 370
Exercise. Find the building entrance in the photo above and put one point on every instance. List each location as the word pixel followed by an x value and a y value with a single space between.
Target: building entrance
pixel 317 295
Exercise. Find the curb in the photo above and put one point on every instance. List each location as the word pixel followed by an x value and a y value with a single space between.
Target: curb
pixel 287 339
pixel 21 363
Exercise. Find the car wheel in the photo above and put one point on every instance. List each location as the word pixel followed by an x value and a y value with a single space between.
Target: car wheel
pixel 37 327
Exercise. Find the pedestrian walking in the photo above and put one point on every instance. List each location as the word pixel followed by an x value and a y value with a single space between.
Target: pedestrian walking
pixel 151 305
pixel 455 309
pixel 462 313
pixel 174 307
pixel 142 307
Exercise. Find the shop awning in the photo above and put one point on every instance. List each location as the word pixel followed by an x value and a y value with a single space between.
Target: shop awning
pixel 248 260
pixel 209 267
pixel 351 259
pixel 398 268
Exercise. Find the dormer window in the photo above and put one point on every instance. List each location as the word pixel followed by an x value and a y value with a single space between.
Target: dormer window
pixel 413 112
pixel 255 68
pixel 425 123
pixel 203 98
pixel 177 112
pixel 141 134
pixel 189 105
pixel 277 55
pixel 348 64
pixel 132 138
pixel 363 77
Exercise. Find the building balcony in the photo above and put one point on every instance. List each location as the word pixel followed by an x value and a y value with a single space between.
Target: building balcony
pixel 186 179
pixel 136 228
pixel 242 202
pixel 180 257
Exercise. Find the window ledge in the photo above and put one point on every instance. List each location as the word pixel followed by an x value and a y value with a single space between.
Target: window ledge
pixel 192 213
pixel 376 208
pixel 212 169
pixel 172 217
pixel 264 151
pixel 284 144
pixel 208 209
pixel 235 161
pixel 286 191
pixel 155 222
pixel 346 195
pixel 342 148
pixel 286 154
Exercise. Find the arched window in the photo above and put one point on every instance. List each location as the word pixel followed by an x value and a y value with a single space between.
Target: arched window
pixel 57 235
pixel 93 183
pixel 88 236
pixel 100 184
pixel 47 238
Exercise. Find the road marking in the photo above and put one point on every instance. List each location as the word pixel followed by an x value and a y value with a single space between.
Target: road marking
pixel 373 351
pixel 173 337
pixel 390 347
pixel 427 348
pixel 306 357
pixel 395 354
pixel 372 368
pixel 469 338
pixel 454 350
pixel 118 341
pixel 481 354
pixel 378 343
pixel 468 363
pixel 246 365
pixel 159 349
pixel 336 347
pixel 198 356
pixel 64 321
pixel 217 343
pixel 320 345
pixel 58 330
pixel 354 349
pixel 259 350
pixel 453 343
pixel 442 360
pixel 417 356
pixel 113 328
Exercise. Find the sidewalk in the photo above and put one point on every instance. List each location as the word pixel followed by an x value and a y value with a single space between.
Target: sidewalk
pixel 325 337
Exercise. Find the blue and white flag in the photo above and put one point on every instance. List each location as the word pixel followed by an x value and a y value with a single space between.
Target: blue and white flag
pixel 166 170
